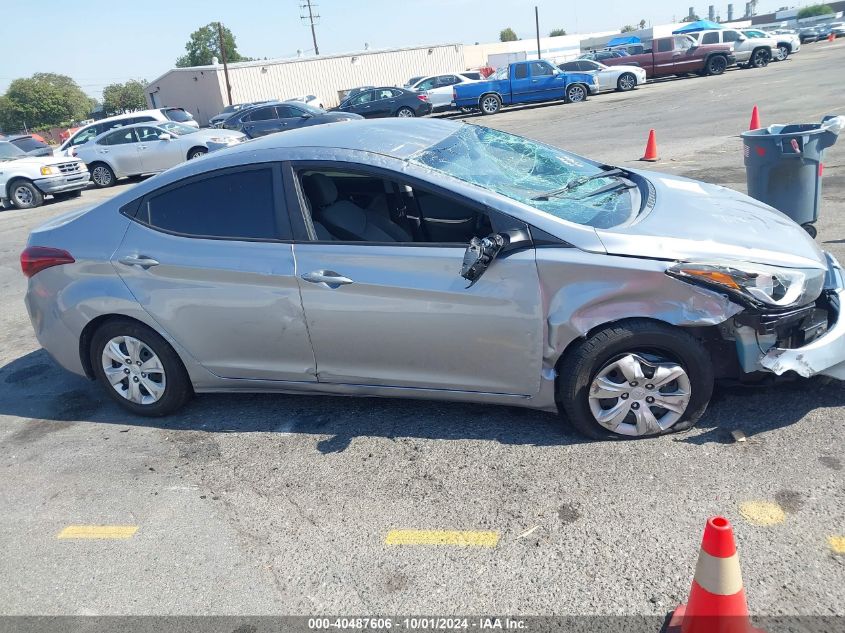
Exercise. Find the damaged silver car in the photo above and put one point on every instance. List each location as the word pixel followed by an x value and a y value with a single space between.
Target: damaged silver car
pixel 432 259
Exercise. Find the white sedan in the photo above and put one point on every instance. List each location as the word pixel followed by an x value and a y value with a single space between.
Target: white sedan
pixel 149 148
pixel 438 88
pixel 621 78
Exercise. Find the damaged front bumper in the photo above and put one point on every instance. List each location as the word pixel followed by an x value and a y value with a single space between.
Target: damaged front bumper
pixel 824 355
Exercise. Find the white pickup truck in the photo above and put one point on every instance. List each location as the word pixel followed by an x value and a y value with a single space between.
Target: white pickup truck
pixel 749 52
pixel 25 180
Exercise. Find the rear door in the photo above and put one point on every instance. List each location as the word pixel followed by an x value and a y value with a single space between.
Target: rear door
pixel 261 121
pixel 384 103
pixel 210 259
pixel 120 150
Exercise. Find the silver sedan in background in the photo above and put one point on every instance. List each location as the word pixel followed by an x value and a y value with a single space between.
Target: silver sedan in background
pixel 149 148
pixel 432 259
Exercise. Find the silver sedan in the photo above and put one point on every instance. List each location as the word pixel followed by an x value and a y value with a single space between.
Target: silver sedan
pixel 433 259
pixel 149 148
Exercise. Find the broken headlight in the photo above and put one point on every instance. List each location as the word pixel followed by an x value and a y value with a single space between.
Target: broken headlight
pixel 757 284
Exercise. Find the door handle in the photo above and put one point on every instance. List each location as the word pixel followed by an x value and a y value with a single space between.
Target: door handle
pixel 138 260
pixel 328 277
pixel 142 147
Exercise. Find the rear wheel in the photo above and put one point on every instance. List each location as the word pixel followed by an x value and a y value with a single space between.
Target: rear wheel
pixel 637 378
pixel 490 104
pixel 576 93
pixel 139 369
pixel 24 195
pixel 716 65
pixel 626 82
pixel 811 230
pixel 102 175
pixel 405 113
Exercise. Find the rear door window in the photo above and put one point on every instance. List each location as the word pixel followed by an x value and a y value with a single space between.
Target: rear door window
pixel 520 71
pixel 119 137
pixel 267 113
pixel 730 36
pixel 710 38
pixel 237 205
pixel 665 46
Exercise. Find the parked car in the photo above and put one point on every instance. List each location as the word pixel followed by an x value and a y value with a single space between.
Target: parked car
pixel 312 100
pixel 788 41
pixel 92 130
pixel 824 31
pixel 749 52
pixel 544 290
pixel 408 84
pixel 808 34
pixel 680 55
pixel 601 56
pixel 621 78
pixel 26 179
pixel 148 148
pixel 31 145
pixel 838 28
pixel 225 113
pixel 524 82
pixel 356 91
pixel 386 102
pixel 281 116
pixel 438 89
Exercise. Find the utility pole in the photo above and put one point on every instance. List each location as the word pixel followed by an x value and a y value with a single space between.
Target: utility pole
pixel 537 25
pixel 312 20
pixel 225 63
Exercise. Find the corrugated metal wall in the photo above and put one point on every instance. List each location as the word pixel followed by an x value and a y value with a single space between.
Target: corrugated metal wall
pixel 325 76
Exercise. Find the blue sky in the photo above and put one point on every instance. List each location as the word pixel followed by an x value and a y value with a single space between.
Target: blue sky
pixel 98 42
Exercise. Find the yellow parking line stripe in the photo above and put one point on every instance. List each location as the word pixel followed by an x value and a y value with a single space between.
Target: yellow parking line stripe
pixel 98 531
pixel 837 544
pixel 762 513
pixel 442 537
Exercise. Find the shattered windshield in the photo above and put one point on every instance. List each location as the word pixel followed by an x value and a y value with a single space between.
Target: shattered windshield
pixel 549 179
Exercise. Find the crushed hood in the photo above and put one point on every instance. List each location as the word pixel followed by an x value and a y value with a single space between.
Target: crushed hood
pixel 696 221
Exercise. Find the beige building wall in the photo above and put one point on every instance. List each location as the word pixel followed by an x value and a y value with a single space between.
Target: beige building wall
pixel 202 90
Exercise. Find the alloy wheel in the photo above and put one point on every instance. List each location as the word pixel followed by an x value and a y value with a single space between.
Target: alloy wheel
pixel 626 82
pixel 490 105
pixel 576 94
pixel 637 395
pixel 134 370
pixel 405 113
pixel 101 176
pixel 23 196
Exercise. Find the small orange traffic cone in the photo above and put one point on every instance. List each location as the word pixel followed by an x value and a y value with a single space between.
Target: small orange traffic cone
pixel 651 148
pixel 831 37
pixel 755 119
pixel 717 599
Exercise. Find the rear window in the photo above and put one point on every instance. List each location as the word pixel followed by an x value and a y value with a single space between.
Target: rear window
pixel 28 144
pixel 178 114
pixel 234 205
pixel 710 38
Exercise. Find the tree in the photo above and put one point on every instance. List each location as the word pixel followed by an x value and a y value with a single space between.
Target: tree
pixel 642 24
pixel 814 10
pixel 557 33
pixel 126 97
pixel 204 44
pixel 628 28
pixel 691 18
pixel 42 100
pixel 508 35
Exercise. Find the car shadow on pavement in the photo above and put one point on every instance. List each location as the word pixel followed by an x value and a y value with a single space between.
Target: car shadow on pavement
pixel 35 387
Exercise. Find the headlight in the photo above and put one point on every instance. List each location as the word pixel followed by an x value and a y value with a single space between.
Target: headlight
pixel 756 283
pixel 48 171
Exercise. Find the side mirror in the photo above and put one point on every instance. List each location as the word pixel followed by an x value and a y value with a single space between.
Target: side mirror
pixel 164 137
pixel 742 38
pixel 307 115
pixel 481 252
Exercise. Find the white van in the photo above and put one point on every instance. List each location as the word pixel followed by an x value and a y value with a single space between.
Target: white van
pixel 85 134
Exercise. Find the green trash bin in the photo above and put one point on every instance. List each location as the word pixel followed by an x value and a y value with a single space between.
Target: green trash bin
pixel 784 165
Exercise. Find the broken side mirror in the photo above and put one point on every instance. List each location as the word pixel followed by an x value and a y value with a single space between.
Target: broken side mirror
pixel 481 252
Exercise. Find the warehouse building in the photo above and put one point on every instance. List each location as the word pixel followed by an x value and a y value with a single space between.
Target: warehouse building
pixel 202 89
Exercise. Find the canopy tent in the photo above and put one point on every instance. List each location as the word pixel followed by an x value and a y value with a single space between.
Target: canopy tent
pixel 700 25
pixel 622 41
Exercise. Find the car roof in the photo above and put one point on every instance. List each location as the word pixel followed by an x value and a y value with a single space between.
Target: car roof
pixel 133 125
pixel 396 138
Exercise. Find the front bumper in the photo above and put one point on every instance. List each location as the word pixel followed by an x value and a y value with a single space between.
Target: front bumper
pixel 59 184
pixel 825 355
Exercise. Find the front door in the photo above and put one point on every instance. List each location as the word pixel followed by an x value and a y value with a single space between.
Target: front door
pixel 386 305
pixel 208 260
pixel 546 83
pixel 686 59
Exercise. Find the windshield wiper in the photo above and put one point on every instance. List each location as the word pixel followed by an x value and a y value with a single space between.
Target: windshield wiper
pixel 619 184
pixel 577 182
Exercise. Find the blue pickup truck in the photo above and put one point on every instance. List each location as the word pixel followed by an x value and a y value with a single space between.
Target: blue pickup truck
pixel 524 82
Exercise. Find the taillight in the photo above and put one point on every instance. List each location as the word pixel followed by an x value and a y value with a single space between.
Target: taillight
pixel 34 259
pixel 422 97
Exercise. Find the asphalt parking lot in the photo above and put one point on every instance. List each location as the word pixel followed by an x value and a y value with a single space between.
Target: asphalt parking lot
pixel 259 504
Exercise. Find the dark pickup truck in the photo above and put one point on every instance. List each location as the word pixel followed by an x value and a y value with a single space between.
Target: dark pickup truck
pixel 679 55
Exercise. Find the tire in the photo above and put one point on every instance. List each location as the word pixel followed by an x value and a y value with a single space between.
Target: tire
pixel 655 344
pixel 405 113
pixel 196 152
pixel 490 104
pixel 716 65
pixel 783 52
pixel 811 230
pixel 67 195
pixel 24 195
pixel 626 82
pixel 102 175
pixel 760 58
pixel 576 93
pixel 172 380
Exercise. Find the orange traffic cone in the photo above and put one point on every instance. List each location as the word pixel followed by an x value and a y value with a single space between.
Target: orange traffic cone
pixel 651 148
pixel 831 37
pixel 717 599
pixel 755 119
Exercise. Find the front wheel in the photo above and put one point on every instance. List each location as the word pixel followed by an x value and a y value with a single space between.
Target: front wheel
pixel 716 65
pixel 637 378
pixel 490 104
pixel 405 113
pixel 25 195
pixel 576 93
pixel 626 82
pixel 782 53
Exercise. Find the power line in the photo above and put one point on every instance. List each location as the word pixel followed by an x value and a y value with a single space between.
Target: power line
pixel 307 11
